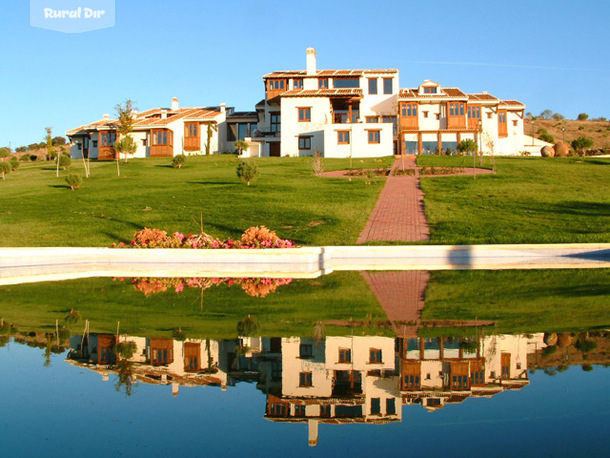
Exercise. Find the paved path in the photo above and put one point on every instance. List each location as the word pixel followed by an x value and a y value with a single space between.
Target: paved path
pixel 399 214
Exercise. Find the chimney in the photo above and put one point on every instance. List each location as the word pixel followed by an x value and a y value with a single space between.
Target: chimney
pixel 175 104
pixel 106 116
pixel 164 114
pixel 313 432
pixel 311 62
pixel 223 107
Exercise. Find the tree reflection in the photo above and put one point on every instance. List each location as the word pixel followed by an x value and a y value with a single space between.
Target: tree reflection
pixel 124 369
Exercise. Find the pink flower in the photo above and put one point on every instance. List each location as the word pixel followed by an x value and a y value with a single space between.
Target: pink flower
pixel 180 287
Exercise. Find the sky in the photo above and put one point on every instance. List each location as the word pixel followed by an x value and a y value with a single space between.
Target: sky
pixel 548 55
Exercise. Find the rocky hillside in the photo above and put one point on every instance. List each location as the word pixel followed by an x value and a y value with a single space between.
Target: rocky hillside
pixel 598 131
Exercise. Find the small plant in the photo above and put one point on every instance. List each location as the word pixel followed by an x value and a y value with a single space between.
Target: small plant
pixel 74 181
pixel 467 146
pixel 581 127
pixel 178 161
pixel 546 137
pixel 25 158
pixel 368 176
pixel 241 146
pixel 126 349
pixel 73 317
pixel 179 334
pixel 581 145
pixel 582 117
pixel 65 162
pixel 247 171
pixel 5 168
pixel 14 163
pixel 318 163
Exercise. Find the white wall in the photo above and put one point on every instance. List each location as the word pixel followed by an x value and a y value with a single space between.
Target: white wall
pixel 359 146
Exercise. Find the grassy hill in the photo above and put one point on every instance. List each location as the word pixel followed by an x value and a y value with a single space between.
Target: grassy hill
pixel 598 131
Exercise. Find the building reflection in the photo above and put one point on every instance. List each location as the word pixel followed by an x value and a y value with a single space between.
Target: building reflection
pixel 332 380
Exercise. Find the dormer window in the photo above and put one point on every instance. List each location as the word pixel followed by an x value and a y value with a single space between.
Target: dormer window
pixel 298 84
pixel 430 90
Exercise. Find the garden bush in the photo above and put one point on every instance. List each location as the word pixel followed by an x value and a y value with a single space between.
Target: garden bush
pixel 178 161
pixel 25 158
pixel 14 163
pixel 247 171
pixel 65 162
pixel 74 181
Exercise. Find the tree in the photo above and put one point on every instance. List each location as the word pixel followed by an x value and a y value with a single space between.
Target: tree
pixel 558 117
pixel 58 141
pixel 209 134
pixel 247 171
pixel 467 146
pixel 5 168
pixel 581 145
pixel 546 114
pixel 124 126
pixel 582 117
pixel 4 152
pixel 241 146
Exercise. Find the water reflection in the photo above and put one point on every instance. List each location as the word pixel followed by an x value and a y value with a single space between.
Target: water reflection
pixel 339 379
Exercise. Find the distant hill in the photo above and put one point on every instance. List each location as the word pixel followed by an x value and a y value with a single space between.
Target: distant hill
pixel 598 131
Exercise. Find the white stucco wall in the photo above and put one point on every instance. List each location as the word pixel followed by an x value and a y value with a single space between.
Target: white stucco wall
pixel 359 146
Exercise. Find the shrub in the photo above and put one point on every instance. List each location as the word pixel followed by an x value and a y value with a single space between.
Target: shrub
pixel 25 157
pixel 4 152
pixel 126 349
pixel 5 168
pixel 581 127
pixel 582 117
pixel 74 181
pixel 247 171
pixel 581 144
pixel 558 117
pixel 178 161
pixel 65 162
pixel 467 146
pixel 14 163
pixel 545 137
pixel 33 157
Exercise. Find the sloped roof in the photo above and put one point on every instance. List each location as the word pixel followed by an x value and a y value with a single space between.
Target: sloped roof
pixel 327 73
pixel 352 92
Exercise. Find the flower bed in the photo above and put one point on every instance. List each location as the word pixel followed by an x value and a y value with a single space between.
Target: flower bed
pixel 252 238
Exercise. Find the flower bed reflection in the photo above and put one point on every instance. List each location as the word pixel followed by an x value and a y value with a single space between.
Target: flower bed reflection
pixel 255 287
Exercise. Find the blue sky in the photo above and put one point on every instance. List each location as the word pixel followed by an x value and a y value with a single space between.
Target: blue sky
pixel 552 55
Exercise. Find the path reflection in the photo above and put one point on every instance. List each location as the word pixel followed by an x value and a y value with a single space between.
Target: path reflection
pixel 339 379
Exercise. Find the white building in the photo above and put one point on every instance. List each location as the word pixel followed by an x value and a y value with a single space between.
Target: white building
pixel 159 132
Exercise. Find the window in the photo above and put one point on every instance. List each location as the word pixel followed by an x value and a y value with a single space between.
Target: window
pixel 387 85
pixel 305 379
pixel 459 382
pixel 390 406
pixel 341 83
pixel 305 351
pixel 372 86
pixel 108 138
pixel 438 116
pixel 374 136
pixel 343 137
pixel 409 109
pixel 304 114
pixel 275 122
pixel 430 90
pixel 515 122
pixel 190 130
pixel 372 119
pixel 276 84
pixel 323 83
pixel 345 355
pixel 375 406
pixel 375 354
pixel 299 410
pixel 297 84
pixel 304 142
pixel 474 112
pixel 425 113
pixel 95 143
pixel 390 119
pixel 456 109
pixel 411 381
pixel 489 115
pixel 159 137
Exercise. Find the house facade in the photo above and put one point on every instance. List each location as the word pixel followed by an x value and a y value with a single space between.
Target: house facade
pixel 335 113
pixel 159 132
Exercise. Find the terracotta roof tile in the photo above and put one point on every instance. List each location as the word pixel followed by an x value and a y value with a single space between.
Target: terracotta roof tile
pixel 483 97
pixel 324 93
pixel 512 103
pixel 447 93
pixel 327 73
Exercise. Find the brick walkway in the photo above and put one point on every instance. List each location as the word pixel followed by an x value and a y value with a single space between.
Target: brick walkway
pixel 399 214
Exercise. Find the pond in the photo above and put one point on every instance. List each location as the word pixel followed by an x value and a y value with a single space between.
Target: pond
pixel 461 363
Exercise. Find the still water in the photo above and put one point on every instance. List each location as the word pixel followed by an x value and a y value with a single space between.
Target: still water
pixel 352 363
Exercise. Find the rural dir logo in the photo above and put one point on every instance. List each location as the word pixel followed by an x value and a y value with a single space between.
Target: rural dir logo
pixel 72 16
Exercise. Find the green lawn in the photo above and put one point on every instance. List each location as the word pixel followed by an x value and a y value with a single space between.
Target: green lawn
pixel 293 309
pixel 522 301
pixel 38 209
pixel 529 200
